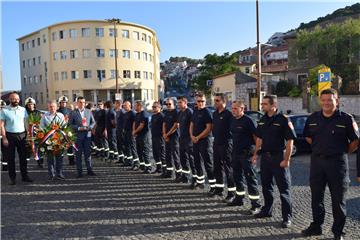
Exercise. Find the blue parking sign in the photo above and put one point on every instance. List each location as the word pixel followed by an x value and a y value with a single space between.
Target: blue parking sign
pixel 324 77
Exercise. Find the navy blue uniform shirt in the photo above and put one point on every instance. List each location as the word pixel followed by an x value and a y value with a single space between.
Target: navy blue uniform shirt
pixel 128 120
pixel 330 135
pixel 120 120
pixel 142 117
pixel 242 130
pixel 64 111
pixel 221 126
pixel 184 119
pixel 171 117
pixel 274 131
pixel 100 118
pixel 156 124
pixel 109 117
pixel 200 118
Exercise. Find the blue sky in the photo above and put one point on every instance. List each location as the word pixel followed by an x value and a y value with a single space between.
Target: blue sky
pixel 191 29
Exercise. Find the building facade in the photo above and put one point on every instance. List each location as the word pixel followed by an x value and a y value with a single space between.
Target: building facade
pixel 77 58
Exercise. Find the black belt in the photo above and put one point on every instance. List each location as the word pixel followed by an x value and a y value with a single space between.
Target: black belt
pixel 271 152
pixel 15 133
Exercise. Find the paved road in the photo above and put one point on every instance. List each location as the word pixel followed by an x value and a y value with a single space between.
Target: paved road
pixel 122 204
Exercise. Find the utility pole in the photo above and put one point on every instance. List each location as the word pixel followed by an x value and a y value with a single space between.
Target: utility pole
pixel 115 21
pixel 258 88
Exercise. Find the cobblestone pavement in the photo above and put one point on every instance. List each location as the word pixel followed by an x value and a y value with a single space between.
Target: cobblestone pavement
pixel 122 204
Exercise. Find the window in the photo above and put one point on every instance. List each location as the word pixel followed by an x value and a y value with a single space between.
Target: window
pixel 136 35
pixel 112 74
pixel 23 63
pixel 63 75
pixel 38 41
pixel 112 32
pixel 33 43
pixel 27 45
pixel 73 54
pixel 87 73
pixel 57 94
pixel 137 55
pixel 29 63
pixel 150 75
pixel 75 94
pixel 54 36
pixel 55 56
pixel 99 32
pixel 143 37
pixel 145 74
pixel 101 75
pixel 112 53
pixel 61 34
pixel 40 78
pixel 63 55
pixel 73 33
pixel 125 33
pixel 86 53
pixel 126 74
pixel 41 98
pixel 85 32
pixel 30 80
pixel 100 53
pixel 39 59
pixel 36 80
pixel 25 80
pixel 126 53
pixel 65 93
pixel 56 76
pixel 145 56
pixel 36 97
pixel 34 62
pixel 137 74
pixel 23 46
pixel 44 38
pixel 74 75
pixel 247 70
pixel 151 59
pixel 150 39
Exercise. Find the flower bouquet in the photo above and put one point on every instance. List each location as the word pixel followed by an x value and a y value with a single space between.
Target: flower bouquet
pixel 53 138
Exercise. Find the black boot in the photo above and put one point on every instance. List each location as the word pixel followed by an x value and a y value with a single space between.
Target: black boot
pixel 215 192
pixel 178 177
pixel 230 197
pixel 238 201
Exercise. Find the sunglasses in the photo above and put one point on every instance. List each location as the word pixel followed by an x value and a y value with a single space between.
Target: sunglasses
pixel 168 104
pixel 200 101
pixel 217 100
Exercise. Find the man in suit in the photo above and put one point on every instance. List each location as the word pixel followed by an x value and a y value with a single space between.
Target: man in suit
pixel 82 121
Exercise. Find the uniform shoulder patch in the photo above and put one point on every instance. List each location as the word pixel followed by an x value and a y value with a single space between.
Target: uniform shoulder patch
pixel 291 126
pixel 355 126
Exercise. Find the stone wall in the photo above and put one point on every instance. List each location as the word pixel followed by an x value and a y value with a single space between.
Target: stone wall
pixel 350 104
pixel 290 103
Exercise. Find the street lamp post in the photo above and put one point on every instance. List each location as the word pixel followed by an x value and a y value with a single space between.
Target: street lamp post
pixel 115 21
pixel 258 87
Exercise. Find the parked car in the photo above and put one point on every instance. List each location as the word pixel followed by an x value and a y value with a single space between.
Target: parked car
pixel 300 144
pixel 254 115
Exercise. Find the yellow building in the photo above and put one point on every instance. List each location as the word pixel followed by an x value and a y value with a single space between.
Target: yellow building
pixel 78 58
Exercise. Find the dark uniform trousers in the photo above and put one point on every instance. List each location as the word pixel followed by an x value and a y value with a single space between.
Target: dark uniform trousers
pixel 172 154
pixel 270 168
pixel 100 141
pixel 222 165
pixel 111 138
pixel 120 143
pixel 131 155
pixel 203 153
pixel 16 140
pixel 187 157
pixel 143 150
pixel 158 148
pixel 333 171
pixel 244 172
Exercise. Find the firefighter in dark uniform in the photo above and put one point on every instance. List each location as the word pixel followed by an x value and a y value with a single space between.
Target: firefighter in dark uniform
pixel 200 131
pixel 332 135
pixel 222 149
pixel 273 130
pixel 30 106
pixel 119 131
pixel 141 134
pixel 131 157
pixel 157 140
pixel 100 138
pixel 3 161
pixel 171 136
pixel 186 146
pixel 110 125
pixel 243 134
pixel 63 100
